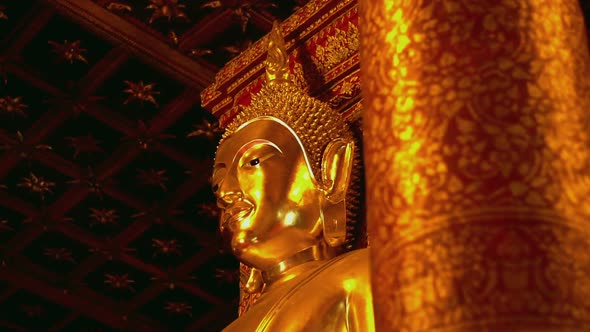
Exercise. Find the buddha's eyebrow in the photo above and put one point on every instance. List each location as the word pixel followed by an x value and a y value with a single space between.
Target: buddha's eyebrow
pixel 256 142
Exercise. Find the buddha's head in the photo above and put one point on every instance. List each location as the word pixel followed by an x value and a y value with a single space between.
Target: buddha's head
pixel 282 176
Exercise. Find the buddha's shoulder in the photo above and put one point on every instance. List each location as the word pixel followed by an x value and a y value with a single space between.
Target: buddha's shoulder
pixel 349 262
pixel 353 265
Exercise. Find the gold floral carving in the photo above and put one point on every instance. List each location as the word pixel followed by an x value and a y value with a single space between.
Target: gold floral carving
pixel 477 153
pixel 347 89
pixel 337 47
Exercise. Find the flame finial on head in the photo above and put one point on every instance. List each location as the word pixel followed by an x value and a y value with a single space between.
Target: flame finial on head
pixel 277 60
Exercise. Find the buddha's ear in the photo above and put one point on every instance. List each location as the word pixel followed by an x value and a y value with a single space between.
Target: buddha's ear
pixel 337 163
pixel 336 169
pixel 255 282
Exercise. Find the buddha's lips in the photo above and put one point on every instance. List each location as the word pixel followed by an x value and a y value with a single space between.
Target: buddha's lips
pixel 235 214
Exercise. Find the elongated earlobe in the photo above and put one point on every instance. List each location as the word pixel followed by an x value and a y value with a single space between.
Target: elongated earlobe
pixel 337 162
pixel 255 282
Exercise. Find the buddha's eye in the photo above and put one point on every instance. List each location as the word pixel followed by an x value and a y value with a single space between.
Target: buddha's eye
pixel 215 188
pixel 257 154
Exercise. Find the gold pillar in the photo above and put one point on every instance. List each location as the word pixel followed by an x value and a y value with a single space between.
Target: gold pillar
pixel 477 123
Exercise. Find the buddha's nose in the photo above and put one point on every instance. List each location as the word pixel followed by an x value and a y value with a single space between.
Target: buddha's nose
pixel 229 191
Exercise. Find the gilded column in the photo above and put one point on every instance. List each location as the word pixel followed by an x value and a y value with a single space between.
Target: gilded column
pixel 477 124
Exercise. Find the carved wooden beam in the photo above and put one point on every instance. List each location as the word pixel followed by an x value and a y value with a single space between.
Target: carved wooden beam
pixel 202 34
pixel 28 27
pixel 193 72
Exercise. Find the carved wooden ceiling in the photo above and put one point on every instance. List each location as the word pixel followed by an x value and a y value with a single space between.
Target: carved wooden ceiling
pixel 107 221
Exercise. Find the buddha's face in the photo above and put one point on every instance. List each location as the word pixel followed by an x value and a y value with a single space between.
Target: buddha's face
pixel 271 205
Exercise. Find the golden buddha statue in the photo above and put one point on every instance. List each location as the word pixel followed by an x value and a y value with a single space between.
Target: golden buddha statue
pixel 282 178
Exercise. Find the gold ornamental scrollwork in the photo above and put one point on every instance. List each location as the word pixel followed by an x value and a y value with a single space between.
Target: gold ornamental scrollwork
pixel 477 152
pixel 339 45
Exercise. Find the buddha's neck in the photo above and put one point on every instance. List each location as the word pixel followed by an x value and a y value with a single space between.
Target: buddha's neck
pixel 298 264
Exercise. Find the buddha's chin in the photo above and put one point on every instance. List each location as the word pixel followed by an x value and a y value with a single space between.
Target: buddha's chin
pixel 242 242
